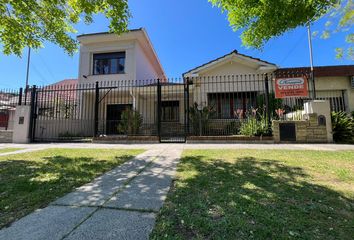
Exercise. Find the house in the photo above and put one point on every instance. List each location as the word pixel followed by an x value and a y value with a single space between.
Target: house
pixel 230 83
pixel 122 90
pixel 126 61
pixel 333 83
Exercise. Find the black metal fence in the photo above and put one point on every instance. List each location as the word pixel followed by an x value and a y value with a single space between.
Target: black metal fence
pixel 170 109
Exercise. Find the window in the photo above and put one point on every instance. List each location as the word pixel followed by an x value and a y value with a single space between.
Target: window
pixel 227 105
pixel 108 63
pixel 170 111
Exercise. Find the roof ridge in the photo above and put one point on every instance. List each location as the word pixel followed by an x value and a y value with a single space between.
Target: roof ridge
pixel 226 55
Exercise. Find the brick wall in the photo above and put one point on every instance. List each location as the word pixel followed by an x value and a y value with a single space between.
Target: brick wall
pixel 307 131
pixel 5 136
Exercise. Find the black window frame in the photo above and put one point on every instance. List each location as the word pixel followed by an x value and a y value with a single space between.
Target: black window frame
pixel 173 104
pixel 108 56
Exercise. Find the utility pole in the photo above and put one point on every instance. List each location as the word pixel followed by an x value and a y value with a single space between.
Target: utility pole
pixel 311 61
pixel 27 74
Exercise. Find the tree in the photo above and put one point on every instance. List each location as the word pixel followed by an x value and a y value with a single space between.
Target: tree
pixel 341 19
pixel 31 22
pixel 262 20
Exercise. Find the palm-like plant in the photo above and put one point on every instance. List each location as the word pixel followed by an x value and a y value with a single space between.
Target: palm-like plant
pixel 200 118
pixel 342 127
pixel 131 122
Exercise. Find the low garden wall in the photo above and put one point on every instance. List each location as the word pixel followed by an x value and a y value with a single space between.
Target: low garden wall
pixel 6 136
pixel 312 129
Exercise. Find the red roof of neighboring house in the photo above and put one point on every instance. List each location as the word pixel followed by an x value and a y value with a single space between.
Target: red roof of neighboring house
pixel 64 90
pixel 322 71
pixel 65 82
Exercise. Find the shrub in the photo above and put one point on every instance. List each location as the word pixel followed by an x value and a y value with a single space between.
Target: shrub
pixel 131 122
pixel 342 127
pixel 254 127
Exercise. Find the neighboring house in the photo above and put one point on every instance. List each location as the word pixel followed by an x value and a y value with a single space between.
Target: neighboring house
pixel 8 103
pixel 334 83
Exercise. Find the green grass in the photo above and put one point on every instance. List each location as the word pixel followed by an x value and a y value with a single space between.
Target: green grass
pixel 255 194
pixel 32 180
pixel 5 150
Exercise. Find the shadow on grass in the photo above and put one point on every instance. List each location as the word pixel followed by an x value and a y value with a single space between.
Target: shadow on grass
pixel 26 185
pixel 251 199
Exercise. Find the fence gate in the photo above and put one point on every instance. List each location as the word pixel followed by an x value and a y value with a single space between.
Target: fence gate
pixel 62 112
pixel 172 102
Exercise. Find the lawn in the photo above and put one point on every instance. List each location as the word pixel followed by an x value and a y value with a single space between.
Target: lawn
pixel 5 150
pixel 32 180
pixel 260 194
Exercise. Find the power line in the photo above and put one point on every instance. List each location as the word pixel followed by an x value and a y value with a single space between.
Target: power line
pixel 42 79
pixel 293 48
pixel 46 67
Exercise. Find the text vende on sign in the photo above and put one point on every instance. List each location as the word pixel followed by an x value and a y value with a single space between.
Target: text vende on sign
pixel 291 87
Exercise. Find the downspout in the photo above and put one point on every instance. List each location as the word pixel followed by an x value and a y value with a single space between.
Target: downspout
pixel 134 99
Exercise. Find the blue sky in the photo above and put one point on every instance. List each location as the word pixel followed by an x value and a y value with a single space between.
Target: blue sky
pixel 185 34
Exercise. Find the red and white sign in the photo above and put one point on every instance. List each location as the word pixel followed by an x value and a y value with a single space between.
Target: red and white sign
pixel 291 87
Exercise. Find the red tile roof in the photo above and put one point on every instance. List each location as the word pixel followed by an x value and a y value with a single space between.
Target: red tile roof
pixel 64 90
pixel 65 82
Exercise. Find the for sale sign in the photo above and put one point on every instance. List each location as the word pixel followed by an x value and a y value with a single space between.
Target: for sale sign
pixel 291 87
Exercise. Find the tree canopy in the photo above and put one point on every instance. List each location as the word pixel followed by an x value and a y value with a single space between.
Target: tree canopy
pixel 260 20
pixel 31 22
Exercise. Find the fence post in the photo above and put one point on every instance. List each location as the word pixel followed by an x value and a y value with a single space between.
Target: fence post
pixel 33 114
pixel 186 101
pixel 26 91
pixel 20 96
pixel 97 99
pixel 159 108
pixel 268 110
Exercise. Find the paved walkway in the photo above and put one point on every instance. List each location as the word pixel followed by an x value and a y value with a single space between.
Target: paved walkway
pixel 121 204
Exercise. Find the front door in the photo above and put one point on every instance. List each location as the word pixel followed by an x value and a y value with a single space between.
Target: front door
pixel 114 117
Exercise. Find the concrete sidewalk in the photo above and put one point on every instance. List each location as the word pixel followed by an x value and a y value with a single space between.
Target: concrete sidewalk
pixel 40 146
pixel 121 204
